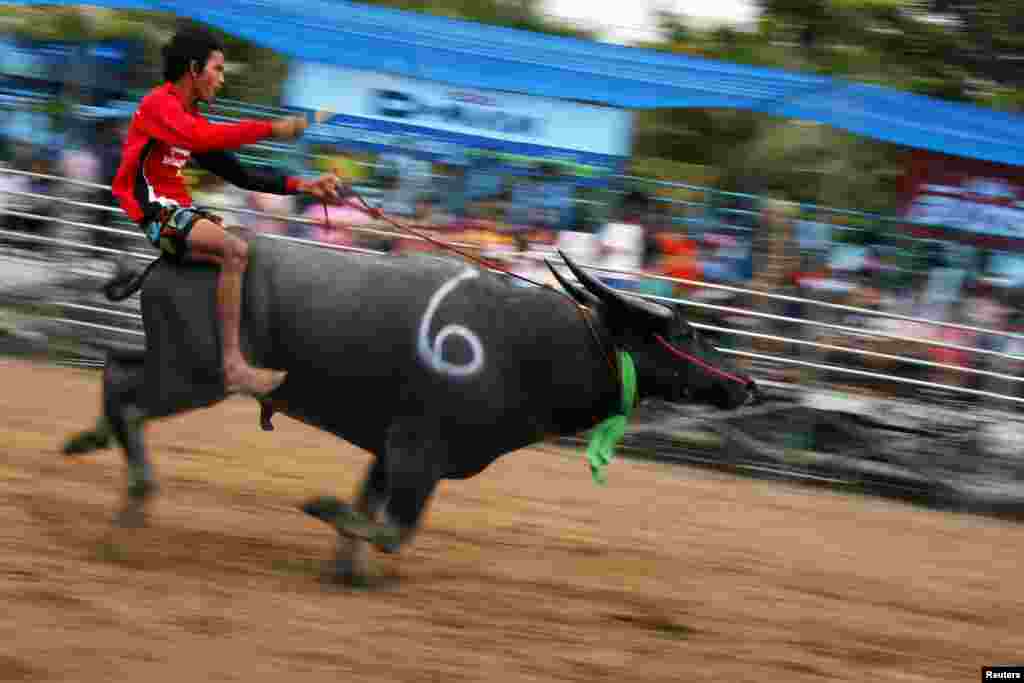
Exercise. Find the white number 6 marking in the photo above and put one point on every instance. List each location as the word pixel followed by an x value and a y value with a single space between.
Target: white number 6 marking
pixel 433 355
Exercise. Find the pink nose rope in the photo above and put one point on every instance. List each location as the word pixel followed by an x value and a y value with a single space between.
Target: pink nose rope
pixel 697 361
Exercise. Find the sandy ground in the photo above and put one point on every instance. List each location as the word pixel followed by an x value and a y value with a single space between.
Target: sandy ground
pixel 529 572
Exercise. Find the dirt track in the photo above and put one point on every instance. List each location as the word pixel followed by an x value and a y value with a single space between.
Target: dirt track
pixel 529 572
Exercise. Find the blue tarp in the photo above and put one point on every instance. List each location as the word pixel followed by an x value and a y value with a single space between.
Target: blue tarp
pixel 475 55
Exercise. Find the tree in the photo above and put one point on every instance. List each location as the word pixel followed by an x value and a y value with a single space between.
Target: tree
pixel 962 50
pixel 956 49
pixel 993 32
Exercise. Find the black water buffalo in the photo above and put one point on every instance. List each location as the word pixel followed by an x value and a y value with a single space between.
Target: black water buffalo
pixel 434 366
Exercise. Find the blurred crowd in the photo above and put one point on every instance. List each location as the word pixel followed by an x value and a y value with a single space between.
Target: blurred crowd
pixel 640 239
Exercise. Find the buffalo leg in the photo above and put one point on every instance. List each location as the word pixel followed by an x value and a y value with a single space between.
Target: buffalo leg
pixel 414 460
pixel 358 526
pixel 394 496
pixel 89 440
pixel 122 386
pixel 352 562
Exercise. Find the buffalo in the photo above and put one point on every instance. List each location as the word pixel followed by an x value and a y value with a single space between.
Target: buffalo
pixel 433 365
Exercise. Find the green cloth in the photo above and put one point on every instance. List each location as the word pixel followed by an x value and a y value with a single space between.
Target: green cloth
pixel 609 432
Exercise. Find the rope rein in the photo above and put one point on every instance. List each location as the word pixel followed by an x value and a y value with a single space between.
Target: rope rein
pixel 584 312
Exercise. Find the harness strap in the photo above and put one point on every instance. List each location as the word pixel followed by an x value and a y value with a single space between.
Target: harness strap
pixel 609 355
pixel 679 353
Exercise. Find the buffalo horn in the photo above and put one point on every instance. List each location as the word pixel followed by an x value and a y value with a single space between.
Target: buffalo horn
pixel 582 296
pixel 650 309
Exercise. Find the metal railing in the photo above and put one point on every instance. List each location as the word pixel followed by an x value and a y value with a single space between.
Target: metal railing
pixel 592 266
pixel 672 300
pixel 614 271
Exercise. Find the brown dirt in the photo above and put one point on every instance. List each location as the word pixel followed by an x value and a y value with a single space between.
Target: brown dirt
pixel 529 572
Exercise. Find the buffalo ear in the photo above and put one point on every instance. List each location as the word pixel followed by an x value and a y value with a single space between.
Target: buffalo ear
pixel 582 296
pixel 654 314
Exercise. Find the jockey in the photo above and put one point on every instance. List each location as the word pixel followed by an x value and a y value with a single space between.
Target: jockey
pixel 165 132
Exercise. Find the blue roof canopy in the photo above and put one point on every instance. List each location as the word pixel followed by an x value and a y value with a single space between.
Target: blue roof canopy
pixel 476 55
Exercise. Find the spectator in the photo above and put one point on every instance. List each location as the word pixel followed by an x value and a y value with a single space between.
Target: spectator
pixel 776 256
pixel 580 246
pixel 80 163
pixel 108 153
pixel 622 242
pixel 77 162
pixel 10 182
pixel 985 308
pixel 40 207
pixel 952 335
pixel 776 252
pixel 657 261
pixel 337 230
pixel 430 215
pixel 278 204
pixel 452 189
pixel 429 221
pixel 410 177
pixel 554 198
pixel 668 252
pixel 522 263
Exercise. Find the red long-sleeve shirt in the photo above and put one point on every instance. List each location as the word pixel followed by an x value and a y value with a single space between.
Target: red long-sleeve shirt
pixel 163 135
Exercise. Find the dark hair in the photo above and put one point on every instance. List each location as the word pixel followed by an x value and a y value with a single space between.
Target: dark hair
pixel 634 203
pixel 188 45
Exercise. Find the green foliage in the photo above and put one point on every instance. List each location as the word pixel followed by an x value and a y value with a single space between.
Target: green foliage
pixel 886 42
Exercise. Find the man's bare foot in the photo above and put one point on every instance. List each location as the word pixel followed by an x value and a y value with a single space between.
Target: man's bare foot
pixel 241 378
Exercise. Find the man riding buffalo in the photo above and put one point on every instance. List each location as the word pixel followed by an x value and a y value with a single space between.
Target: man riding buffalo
pixel 166 132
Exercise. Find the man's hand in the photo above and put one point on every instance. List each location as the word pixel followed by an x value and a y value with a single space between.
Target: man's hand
pixel 289 127
pixel 325 188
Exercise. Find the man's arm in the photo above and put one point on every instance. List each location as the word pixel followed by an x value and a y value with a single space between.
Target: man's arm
pixel 253 178
pixel 164 118
pixel 256 179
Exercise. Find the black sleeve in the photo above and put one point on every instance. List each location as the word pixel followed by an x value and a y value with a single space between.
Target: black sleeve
pixel 255 178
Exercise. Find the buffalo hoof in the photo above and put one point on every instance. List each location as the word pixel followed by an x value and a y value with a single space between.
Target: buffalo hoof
pixel 89 440
pixel 349 522
pixel 140 492
pixel 343 577
pixel 132 516
pixel 324 508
